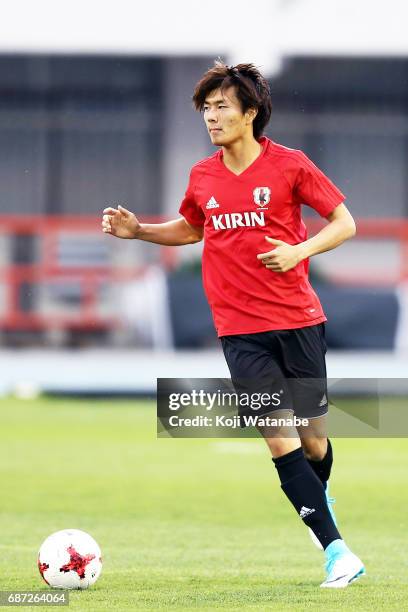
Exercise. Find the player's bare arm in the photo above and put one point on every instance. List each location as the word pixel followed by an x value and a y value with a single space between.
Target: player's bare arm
pixel 122 223
pixel 285 256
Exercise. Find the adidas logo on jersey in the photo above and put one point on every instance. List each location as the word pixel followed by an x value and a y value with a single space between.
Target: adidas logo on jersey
pixel 212 203
pixel 304 511
pixel 234 220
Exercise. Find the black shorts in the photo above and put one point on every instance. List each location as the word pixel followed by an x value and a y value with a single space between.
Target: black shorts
pixel 290 363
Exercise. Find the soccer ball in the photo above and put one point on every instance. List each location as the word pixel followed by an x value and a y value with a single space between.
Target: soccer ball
pixel 70 559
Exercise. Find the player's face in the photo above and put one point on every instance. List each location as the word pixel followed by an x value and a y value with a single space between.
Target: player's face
pixel 223 116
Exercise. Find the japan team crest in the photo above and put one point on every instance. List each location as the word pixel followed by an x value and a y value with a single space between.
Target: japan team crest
pixel 262 195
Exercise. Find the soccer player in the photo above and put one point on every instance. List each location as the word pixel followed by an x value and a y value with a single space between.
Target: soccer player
pixel 245 202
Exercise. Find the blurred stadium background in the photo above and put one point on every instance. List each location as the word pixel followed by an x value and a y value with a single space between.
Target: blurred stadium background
pixel 95 109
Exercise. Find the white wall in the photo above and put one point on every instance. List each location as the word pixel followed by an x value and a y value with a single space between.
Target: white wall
pixel 263 32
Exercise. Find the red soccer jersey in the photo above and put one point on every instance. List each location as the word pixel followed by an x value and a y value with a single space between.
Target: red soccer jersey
pixel 237 212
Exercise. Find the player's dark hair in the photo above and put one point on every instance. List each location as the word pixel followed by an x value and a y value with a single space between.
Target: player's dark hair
pixel 252 90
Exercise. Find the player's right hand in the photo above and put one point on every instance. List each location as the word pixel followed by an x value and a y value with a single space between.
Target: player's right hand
pixel 120 222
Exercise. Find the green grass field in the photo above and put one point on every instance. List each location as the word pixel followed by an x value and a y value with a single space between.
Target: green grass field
pixel 190 524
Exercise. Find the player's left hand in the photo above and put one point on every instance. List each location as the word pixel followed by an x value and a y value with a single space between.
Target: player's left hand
pixel 283 258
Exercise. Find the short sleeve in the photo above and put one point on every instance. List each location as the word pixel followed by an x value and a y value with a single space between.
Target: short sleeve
pixel 189 208
pixel 315 189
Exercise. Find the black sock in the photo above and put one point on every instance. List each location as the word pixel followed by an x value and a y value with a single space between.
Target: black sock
pixel 306 492
pixel 323 467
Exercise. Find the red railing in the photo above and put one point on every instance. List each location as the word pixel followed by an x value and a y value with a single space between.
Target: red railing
pixel 395 230
pixel 90 279
pixel 48 269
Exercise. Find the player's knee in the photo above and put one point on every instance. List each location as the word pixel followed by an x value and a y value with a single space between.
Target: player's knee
pixel 282 446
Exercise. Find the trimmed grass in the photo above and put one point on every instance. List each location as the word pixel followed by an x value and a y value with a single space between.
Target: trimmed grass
pixel 189 524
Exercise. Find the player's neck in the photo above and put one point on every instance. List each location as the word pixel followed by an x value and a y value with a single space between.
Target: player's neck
pixel 239 155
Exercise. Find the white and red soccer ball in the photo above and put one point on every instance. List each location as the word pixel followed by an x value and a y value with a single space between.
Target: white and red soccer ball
pixel 70 559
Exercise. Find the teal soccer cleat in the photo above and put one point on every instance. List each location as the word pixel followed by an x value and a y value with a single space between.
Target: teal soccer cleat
pixel 342 566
